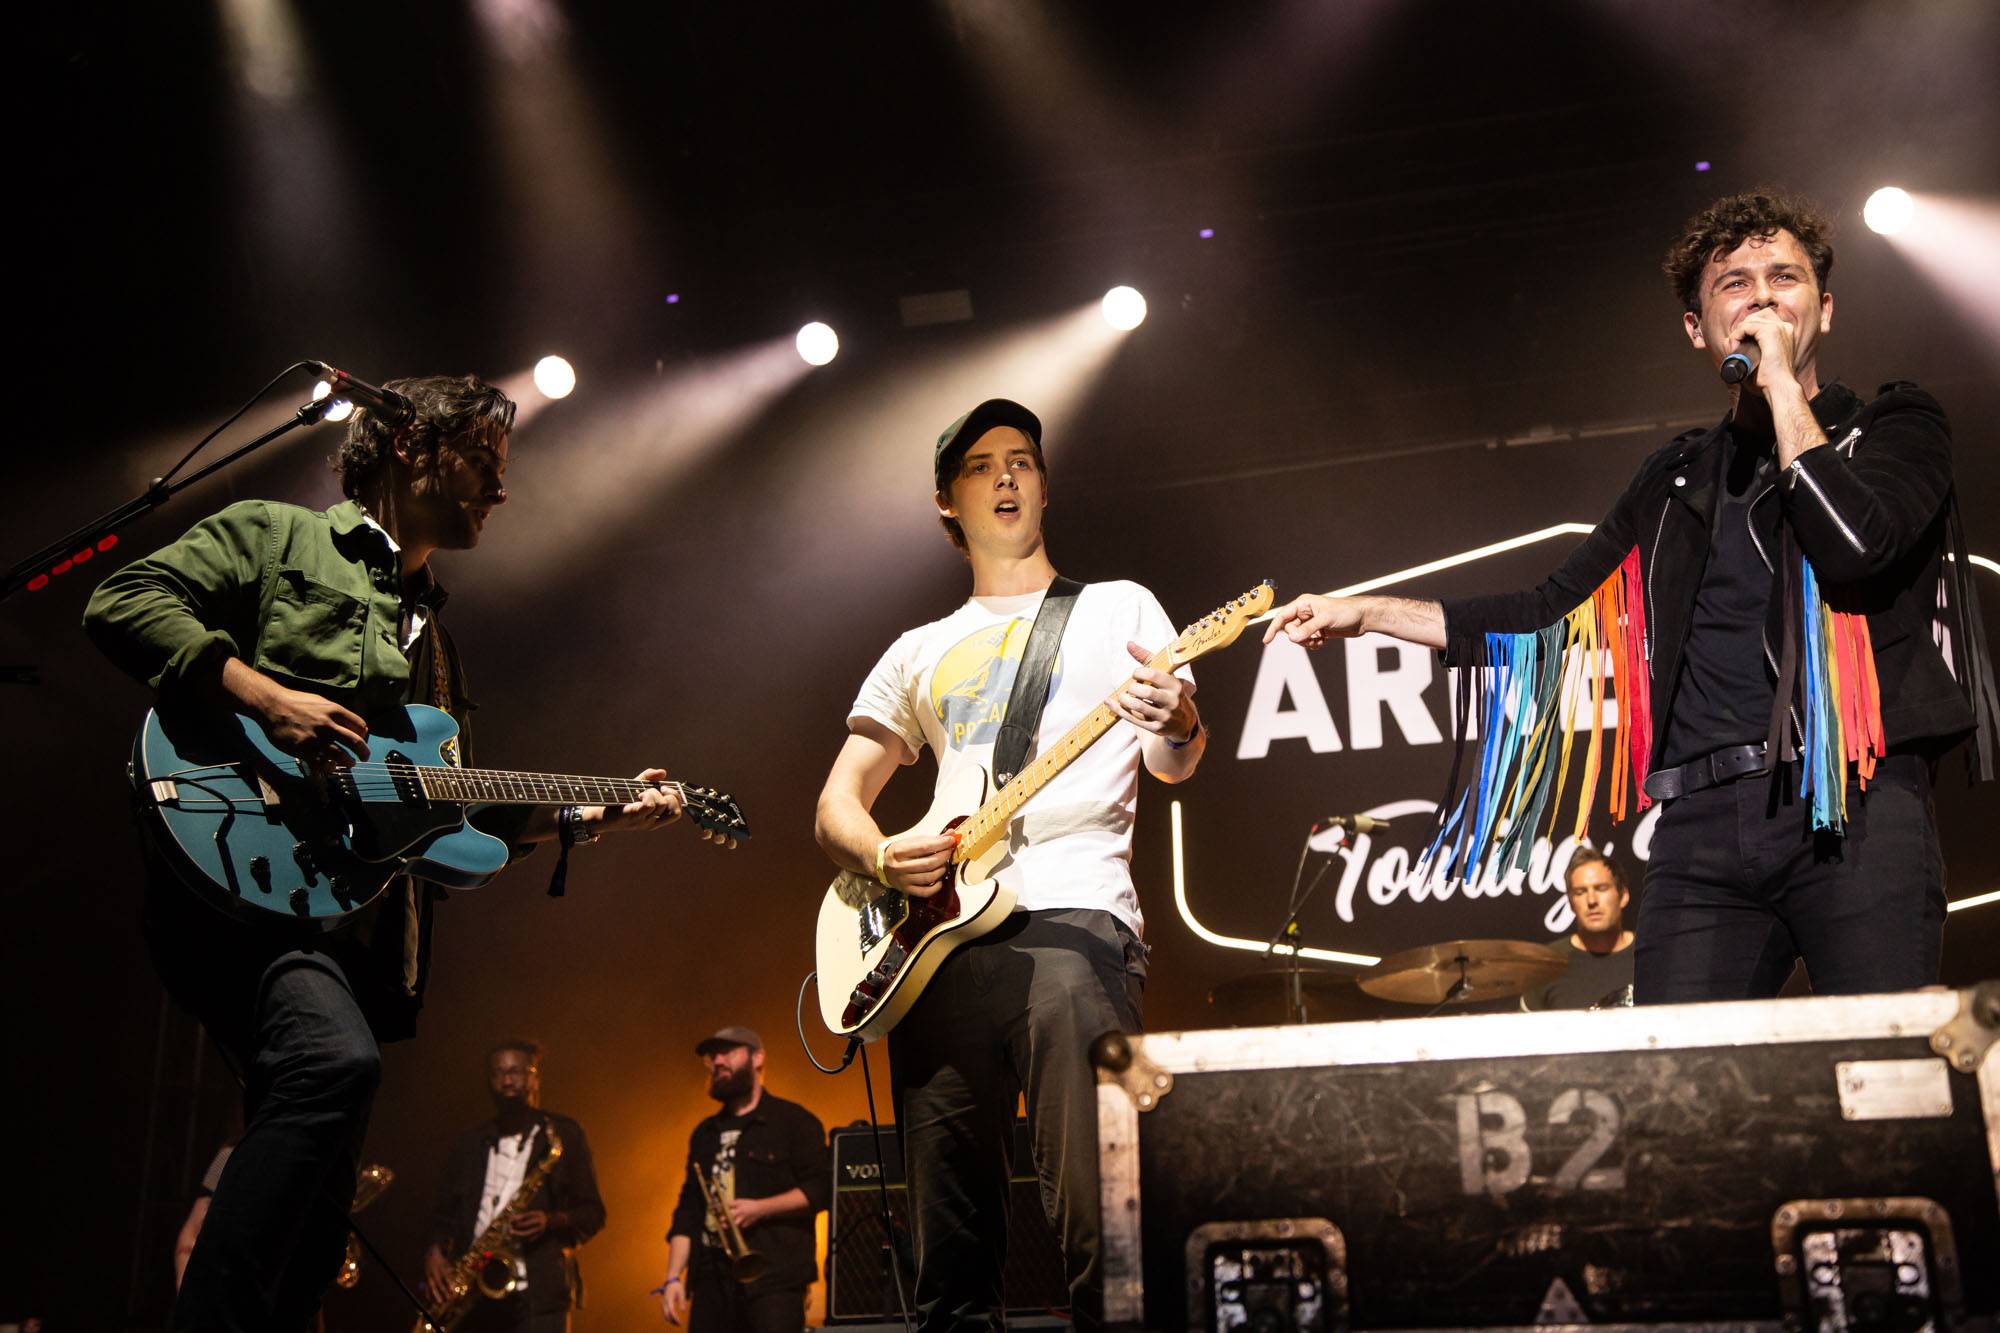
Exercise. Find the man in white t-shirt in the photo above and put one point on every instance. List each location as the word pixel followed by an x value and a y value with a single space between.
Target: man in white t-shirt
pixel 1016 1010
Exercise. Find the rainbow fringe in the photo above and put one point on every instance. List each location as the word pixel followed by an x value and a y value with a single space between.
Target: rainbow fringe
pixel 1843 705
pixel 1525 690
pixel 1532 685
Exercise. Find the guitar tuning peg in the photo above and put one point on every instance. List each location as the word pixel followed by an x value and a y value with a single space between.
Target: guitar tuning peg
pixel 732 844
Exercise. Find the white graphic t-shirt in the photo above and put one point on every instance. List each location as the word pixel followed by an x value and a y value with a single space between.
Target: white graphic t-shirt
pixel 946 684
pixel 722 1182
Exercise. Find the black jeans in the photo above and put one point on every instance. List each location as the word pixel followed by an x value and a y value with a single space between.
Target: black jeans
pixel 276 1228
pixel 718 1303
pixel 1013 1012
pixel 1739 887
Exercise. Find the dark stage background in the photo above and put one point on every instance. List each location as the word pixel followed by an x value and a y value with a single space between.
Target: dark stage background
pixel 1429 317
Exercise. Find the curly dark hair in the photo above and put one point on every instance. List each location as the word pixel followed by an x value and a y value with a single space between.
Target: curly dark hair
pixel 1727 223
pixel 1589 856
pixel 449 407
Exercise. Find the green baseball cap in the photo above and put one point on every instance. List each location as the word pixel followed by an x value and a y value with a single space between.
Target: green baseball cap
pixel 960 434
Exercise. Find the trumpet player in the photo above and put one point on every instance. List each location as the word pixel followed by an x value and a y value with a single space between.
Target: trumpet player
pixel 482 1181
pixel 744 1263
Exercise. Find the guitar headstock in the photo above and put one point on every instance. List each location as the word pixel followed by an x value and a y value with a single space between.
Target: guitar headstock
pixel 1220 627
pixel 716 814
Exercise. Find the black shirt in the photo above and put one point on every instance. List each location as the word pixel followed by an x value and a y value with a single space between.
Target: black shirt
pixel 1724 693
pixel 778 1146
pixel 554 1279
pixel 1590 980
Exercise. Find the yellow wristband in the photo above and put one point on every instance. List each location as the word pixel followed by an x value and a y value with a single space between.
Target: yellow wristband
pixel 882 850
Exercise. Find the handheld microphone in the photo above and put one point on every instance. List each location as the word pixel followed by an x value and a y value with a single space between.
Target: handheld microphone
pixel 1354 823
pixel 1741 364
pixel 387 404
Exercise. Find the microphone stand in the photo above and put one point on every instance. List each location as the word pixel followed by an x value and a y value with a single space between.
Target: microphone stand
pixel 156 494
pixel 1288 934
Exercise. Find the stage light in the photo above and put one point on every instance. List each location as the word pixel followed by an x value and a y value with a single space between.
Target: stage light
pixel 341 409
pixel 554 377
pixel 1206 233
pixel 1703 165
pixel 817 344
pixel 1124 308
pixel 673 298
pixel 1888 210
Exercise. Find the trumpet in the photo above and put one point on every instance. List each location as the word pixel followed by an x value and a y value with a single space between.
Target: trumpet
pixel 745 1264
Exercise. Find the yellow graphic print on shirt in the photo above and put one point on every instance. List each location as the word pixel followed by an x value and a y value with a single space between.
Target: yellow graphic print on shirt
pixel 974 678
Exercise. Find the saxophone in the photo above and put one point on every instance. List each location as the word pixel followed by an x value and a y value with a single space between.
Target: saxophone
pixel 487 1268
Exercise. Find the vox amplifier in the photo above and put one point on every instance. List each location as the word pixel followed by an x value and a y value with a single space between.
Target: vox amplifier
pixel 857 1275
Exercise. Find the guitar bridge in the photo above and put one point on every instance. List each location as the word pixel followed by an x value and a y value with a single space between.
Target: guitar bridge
pixel 165 792
pixel 878 921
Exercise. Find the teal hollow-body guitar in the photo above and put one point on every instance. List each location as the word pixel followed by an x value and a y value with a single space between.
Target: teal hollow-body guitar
pixel 260 834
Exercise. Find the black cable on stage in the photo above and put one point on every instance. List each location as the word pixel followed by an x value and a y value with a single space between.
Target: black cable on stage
pixel 423 1311
pixel 894 1263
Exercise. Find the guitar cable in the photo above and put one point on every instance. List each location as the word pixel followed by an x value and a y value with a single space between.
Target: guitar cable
pixel 799 1022
pixel 890 1248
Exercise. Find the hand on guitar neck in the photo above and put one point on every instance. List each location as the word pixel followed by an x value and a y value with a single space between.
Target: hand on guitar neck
pixel 1160 704
pixel 328 737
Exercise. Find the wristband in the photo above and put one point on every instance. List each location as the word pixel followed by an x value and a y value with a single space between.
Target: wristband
pixel 881 851
pixel 1182 745
pixel 570 828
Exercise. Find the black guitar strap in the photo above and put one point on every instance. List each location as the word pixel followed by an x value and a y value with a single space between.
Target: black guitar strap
pixel 1031 683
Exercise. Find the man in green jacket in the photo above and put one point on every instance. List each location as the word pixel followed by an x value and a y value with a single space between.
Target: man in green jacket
pixel 310 623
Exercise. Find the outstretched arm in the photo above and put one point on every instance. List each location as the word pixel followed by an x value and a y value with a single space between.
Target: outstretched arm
pixel 1311 620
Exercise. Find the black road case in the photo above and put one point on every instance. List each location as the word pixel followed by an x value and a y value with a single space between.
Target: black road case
pixel 1817 1164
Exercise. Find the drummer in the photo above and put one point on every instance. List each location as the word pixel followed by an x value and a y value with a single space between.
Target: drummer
pixel 1599 951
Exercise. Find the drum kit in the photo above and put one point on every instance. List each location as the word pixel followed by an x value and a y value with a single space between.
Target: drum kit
pixel 1438 976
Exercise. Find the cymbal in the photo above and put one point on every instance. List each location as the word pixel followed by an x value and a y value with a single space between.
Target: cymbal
pixel 1263 999
pixel 1491 970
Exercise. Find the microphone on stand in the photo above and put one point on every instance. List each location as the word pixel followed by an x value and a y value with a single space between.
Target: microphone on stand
pixel 1741 364
pixel 387 404
pixel 1354 823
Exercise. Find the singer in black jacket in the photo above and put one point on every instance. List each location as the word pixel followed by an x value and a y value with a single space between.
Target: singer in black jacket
pixel 482 1178
pixel 1717 534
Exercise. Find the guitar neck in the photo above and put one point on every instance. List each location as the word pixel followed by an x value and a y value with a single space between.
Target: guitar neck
pixel 499 786
pixel 990 821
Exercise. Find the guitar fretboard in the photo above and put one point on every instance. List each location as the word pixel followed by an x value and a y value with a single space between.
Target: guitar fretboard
pixel 503 787
pixel 990 821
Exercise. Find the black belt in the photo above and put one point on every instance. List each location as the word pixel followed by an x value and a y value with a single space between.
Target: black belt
pixel 1711 770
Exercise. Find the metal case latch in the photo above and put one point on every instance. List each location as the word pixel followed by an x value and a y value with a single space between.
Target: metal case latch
pixel 1120 1061
pixel 1965 1039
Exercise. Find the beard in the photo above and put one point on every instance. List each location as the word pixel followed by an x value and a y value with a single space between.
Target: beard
pixel 728 1085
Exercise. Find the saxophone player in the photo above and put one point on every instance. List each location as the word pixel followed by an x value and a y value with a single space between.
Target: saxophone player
pixel 483 1180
